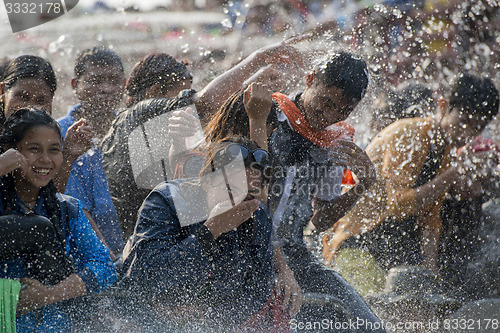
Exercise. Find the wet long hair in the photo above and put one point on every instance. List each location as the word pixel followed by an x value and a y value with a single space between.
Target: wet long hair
pixel 155 68
pixel 12 133
pixel 27 67
pixel 232 119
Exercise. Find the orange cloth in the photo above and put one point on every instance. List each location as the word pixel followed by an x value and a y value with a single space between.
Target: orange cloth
pixel 326 138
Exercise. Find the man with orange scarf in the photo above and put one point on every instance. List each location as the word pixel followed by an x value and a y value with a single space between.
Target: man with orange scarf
pixel 312 146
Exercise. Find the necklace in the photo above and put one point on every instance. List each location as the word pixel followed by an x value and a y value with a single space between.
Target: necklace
pixel 27 208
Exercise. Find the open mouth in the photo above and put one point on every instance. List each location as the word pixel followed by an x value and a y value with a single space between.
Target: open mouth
pixel 41 171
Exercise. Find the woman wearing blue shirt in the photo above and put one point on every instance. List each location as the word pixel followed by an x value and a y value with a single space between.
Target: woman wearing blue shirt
pixel 29 197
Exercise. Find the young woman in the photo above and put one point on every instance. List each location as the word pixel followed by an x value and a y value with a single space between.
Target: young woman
pixel 30 81
pixel 46 222
pixel 206 243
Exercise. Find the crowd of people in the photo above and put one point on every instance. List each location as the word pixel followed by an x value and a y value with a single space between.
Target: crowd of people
pixel 186 209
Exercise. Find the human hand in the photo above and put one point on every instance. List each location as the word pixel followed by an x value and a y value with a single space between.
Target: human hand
pixel 257 99
pixel 273 77
pixel 34 296
pixel 12 160
pixel 78 139
pixel 352 157
pixel 224 217
pixel 287 284
pixel 182 124
pixel 281 53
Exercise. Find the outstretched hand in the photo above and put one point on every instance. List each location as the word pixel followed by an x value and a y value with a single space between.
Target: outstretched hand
pixel 281 53
pixel 183 124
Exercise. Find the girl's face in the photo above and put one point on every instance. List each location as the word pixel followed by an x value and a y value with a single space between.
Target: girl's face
pixel 43 150
pixel 27 93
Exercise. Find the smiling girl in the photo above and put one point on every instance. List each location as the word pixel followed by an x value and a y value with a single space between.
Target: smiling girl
pixel 47 241
pixel 30 81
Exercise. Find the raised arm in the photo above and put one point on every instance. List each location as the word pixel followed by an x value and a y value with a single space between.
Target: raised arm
pixel 257 99
pixel 211 97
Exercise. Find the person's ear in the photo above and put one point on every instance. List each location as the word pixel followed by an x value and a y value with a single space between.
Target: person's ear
pixel 74 84
pixel 442 106
pixel 154 91
pixel 310 79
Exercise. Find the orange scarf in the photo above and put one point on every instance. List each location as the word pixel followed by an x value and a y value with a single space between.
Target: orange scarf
pixel 326 138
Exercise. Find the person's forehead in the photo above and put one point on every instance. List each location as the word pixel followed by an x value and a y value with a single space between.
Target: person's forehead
pixel 31 83
pixel 332 92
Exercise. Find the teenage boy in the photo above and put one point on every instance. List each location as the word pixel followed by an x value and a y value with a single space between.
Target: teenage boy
pixel 399 221
pixel 98 83
pixel 311 147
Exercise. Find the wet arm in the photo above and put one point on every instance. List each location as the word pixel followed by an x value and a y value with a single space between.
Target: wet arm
pixel 210 98
pixel 36 295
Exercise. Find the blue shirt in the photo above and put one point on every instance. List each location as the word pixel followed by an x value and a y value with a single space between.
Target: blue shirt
pixel 88 183
pixel 91 259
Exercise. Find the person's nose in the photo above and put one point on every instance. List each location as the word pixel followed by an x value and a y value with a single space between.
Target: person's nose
pixel 45 158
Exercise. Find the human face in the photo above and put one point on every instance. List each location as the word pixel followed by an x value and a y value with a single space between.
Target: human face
pixel 42 148
pixel 459 127
pixel 27 92
pixel 180 85
pixel 323 106
pixel 239 184
pixel 100 88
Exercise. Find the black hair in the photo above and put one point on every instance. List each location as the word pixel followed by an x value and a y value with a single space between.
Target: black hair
pixel 475 96
pixel 29 67
pixel 345 71
pixel 13 131
pixel 155 68
pixel 97 56
pixel 414 99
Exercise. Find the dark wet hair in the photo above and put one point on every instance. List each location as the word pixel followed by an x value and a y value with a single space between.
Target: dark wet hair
pixel 345 71
pixel 13 131
pixel 97 56
pixel 155 68
pixel 413 99
pixel 232 119
pixel 27 67
pixel 475 96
